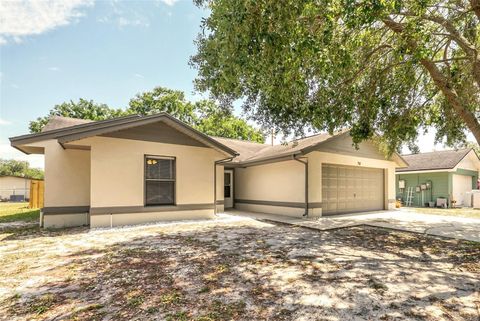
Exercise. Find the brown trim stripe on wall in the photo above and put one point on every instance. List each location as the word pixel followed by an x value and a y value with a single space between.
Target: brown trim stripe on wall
pixel 220 202
pixel 271 203
pixel 149 209
pixel 280 204
pixel 66 210
pixel 315 205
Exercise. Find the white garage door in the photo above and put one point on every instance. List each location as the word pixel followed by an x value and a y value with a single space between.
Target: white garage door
pixel 461 185
pixel 349 189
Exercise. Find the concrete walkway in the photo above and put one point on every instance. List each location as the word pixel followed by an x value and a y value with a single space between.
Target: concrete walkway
pixel 404 220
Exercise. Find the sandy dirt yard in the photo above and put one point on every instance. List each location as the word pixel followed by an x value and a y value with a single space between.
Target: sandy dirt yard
pixel 235 269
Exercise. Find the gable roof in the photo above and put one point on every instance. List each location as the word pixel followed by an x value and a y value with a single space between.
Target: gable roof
pixel 245 153
pixel 246 149
pixel 256 153
pixel 82 129
pixel 251 152
pixel 446 159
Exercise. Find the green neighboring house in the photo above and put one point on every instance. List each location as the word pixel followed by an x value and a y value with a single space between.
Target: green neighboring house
pixel 448 174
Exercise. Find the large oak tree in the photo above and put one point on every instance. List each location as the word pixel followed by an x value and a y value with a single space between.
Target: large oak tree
pixel 384 68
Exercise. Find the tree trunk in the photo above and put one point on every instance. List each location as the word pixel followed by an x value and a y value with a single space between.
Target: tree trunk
pixel 443 84
pixel 476 7
pixel 451 95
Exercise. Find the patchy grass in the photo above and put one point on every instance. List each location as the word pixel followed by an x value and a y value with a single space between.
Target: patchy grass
pixel 463 212
pixel 237 270
pixel 41 304
pixel 11 212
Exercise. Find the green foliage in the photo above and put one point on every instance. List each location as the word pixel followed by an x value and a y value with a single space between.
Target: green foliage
pixel 19 168
pixel 204 115
pixel 474 146
pixel 162 99
pixel 387 68
pixel 215 121
pixel 83 109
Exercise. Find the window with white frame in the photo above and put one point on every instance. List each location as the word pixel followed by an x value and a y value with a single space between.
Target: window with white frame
pixel 159 180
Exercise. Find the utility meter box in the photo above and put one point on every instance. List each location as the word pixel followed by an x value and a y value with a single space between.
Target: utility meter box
pixel 401 183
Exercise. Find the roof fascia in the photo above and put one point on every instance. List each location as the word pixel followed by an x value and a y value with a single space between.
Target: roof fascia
pixel 466 155
pixel 266 160
pixel 420 171
pixel 401 161
pixel 31 138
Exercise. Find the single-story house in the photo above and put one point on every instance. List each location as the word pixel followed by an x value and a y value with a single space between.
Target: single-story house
pixel 449 175
pixel 138 169
pixel 14 188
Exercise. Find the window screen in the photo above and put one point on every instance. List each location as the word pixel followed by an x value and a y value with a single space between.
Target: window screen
pixel 159 180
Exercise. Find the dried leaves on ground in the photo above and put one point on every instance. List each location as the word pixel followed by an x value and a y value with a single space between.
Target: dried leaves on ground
pixel 236 269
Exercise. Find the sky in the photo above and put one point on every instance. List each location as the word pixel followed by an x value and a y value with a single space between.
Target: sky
pixel 54 51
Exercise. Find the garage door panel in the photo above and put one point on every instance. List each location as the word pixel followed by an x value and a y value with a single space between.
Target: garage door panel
pixel 347 189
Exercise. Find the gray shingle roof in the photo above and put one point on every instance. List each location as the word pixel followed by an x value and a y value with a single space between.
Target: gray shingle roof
pixel 248 152
pixel 246 149
pixel 446 159
pixel 78 129
pixel 252 152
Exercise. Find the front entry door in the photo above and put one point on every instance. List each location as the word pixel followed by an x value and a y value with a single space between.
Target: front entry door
pixel 228 188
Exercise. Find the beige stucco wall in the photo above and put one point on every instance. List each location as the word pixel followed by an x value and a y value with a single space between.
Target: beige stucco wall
pixel 117 178
pixel 10 185
pixel 64 220
pixel 67 176
pixel 111 174
pixel 271 209
pixel 139 218
pixel 117 171
pixel 275 182
pixel 284 181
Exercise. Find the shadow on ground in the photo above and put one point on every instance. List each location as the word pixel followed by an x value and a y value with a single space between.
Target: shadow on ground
pixel 247 271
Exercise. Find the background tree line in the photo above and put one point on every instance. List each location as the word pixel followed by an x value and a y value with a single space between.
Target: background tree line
pixel 204 115
pixel 11 167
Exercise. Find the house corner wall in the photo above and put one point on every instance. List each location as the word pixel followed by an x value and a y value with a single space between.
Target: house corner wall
pixel 275 188
pixel 67 186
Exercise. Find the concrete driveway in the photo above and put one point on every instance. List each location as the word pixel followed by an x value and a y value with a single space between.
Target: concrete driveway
pixel 403 219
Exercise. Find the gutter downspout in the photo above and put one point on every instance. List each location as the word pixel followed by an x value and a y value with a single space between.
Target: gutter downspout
pixel 221 161
pixel 306 182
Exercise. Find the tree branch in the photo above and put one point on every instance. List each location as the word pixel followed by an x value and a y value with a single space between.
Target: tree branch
pixel 449 59
pixel 476 7
pixel 441 82
pixel 453 32
pixel 455 35
pixel 367 58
